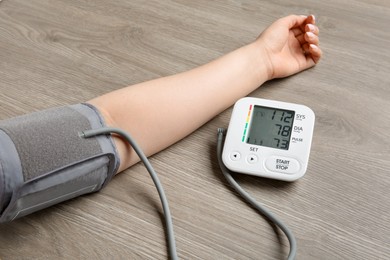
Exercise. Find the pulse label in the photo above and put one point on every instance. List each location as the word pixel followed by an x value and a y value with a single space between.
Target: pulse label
pixel 297 140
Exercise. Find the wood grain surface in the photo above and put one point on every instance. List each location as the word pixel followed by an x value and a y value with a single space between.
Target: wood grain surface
pixel 56 52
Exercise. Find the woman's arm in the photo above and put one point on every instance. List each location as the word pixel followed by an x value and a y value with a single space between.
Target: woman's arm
pixel 160 112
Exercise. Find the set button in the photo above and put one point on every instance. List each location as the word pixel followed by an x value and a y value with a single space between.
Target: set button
pixel 235 156
pixel 252 159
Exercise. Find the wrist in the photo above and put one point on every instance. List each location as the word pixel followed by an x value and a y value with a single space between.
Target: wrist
pixel 260 61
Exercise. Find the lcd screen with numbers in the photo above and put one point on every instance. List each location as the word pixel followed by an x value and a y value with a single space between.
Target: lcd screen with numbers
pixel 269 138
pixel 271 127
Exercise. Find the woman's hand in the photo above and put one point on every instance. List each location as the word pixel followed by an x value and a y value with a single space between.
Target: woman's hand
pixel 291 45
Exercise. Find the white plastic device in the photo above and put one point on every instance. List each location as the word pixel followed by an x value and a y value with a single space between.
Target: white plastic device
pixel 269 138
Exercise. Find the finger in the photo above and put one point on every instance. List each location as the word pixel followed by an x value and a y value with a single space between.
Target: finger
pixel 297 31
pixel 301 39
pixel 294 21
pixel 315 52
pixel 311 38
pixel 305 49
pixel 312 28
pixel 309 59
pixel 310 19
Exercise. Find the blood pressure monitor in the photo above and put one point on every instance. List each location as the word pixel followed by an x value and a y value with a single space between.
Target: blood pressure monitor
pixel 269 139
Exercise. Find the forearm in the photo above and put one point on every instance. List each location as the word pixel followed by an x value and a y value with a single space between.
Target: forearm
pixel 160 112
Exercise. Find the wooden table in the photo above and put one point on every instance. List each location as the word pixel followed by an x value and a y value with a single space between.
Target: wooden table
pixel 64 52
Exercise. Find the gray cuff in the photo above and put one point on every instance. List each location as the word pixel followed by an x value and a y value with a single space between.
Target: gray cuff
pixel 44 161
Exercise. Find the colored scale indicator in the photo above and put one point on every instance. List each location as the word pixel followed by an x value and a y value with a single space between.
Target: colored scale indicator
pixel 247 122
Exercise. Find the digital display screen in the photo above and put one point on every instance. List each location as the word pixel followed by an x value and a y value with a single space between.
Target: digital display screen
pixel 271 127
